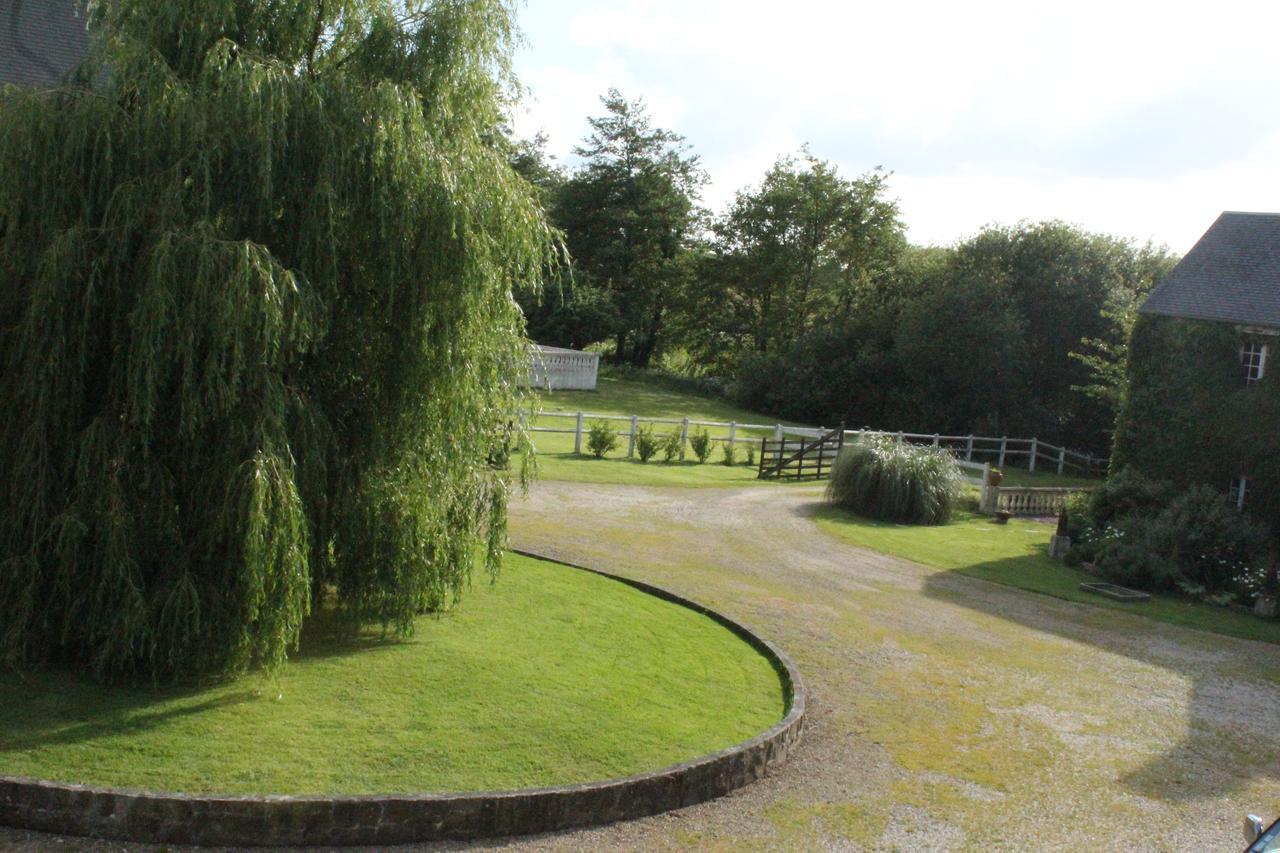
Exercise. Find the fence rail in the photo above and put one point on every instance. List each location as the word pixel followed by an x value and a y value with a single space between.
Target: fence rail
pixel 1001 451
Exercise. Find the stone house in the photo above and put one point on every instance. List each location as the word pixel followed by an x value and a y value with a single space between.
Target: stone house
pixel 1204 394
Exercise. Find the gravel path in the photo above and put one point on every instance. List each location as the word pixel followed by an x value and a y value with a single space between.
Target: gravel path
pixel 946 712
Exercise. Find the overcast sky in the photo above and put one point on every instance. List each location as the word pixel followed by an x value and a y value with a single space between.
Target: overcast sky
pixel 1143 120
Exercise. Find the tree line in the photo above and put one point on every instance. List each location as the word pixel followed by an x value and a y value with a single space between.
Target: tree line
pixel 804 299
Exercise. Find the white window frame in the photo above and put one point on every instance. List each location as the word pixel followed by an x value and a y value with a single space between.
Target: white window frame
pixel 1253 358
pixel 1238 493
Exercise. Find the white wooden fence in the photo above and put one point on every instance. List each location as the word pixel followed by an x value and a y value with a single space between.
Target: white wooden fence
pixel 999 452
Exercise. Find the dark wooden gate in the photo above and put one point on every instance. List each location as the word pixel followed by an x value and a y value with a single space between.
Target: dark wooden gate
pixel 800 458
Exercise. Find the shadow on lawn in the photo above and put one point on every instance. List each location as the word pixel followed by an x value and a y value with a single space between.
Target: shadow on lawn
pixel 120 716
pixel 1231 737
pixel 45 708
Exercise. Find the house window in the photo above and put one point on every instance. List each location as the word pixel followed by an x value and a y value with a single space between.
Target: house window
pixel 1239 492
pixel 1253 358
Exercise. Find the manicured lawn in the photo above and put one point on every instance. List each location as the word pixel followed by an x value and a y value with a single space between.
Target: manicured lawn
pixel 1014 555
pixel 631 395
pixel 551 676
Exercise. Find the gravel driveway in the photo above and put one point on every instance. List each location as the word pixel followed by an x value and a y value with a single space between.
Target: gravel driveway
pixel 946 712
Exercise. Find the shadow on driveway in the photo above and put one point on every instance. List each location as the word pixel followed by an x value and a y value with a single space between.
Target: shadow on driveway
pixel 1233 711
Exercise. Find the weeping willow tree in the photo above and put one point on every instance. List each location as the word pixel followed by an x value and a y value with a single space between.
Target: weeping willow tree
pixel 258 338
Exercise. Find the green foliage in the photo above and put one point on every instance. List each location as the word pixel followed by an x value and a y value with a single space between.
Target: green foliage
pixel 700 443
pixel 261 343
pixel 629 216
pixel 971 339
pixel 751 455
pixel 1210 542
pixel 885 479
pixel 1189 417
pixel 672 446
pixel 1125 495
pixel 601 439
pixel 646 443
pixel 1126 557
pixel 1143 534
pixel 792 252
pixel 728 453
pixel 575 314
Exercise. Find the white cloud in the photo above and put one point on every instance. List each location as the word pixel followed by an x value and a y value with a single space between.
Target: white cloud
pixel 1131 117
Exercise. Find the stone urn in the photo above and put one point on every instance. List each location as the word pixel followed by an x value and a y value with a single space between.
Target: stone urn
pixel 994 477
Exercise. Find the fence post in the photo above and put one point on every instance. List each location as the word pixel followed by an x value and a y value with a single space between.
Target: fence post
pixel 900 437
pixel 733 433
pixel 577 436
pixel 1004 446
pixel 984 501
pixel 935 439
pixel 684 436
pixel 1062 459
pixel 968 449
pixel 777 433
pixel 631 442
pixel 1034 450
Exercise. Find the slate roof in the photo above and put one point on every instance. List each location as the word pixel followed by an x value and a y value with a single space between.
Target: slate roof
pixel 41 41
pixel 1231 275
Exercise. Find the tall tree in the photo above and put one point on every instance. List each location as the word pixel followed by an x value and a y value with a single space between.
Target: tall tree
pixel 257 316
pixel 1061 280
pixel 795 253
pixel 629 214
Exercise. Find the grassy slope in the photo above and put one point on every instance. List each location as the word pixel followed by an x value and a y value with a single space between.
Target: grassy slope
pixel 629 395
pixel 550 676
pixel 1014 555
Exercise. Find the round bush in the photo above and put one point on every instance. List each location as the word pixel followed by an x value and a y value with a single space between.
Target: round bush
pixel 888 480
pixel 1211 543
pixel 1127 494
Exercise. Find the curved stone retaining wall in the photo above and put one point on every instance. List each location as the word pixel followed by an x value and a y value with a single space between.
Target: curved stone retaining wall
pixel 145 816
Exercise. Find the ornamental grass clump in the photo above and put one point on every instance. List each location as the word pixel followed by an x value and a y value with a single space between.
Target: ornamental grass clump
pixel 257 324
pixel 888 480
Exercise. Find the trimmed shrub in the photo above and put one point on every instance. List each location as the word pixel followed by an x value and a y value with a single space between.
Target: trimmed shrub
pixel 700 443
pixel 601 439
pixel 1197 543
pixel 1125 556
pixel 751 456
pixel 646 443
pixel 1128 494
pixel 1211 544
pixel 885 479
pixel 728 453
pixel 672 446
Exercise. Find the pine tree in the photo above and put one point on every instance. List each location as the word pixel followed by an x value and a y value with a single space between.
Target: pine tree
pixel 257 327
